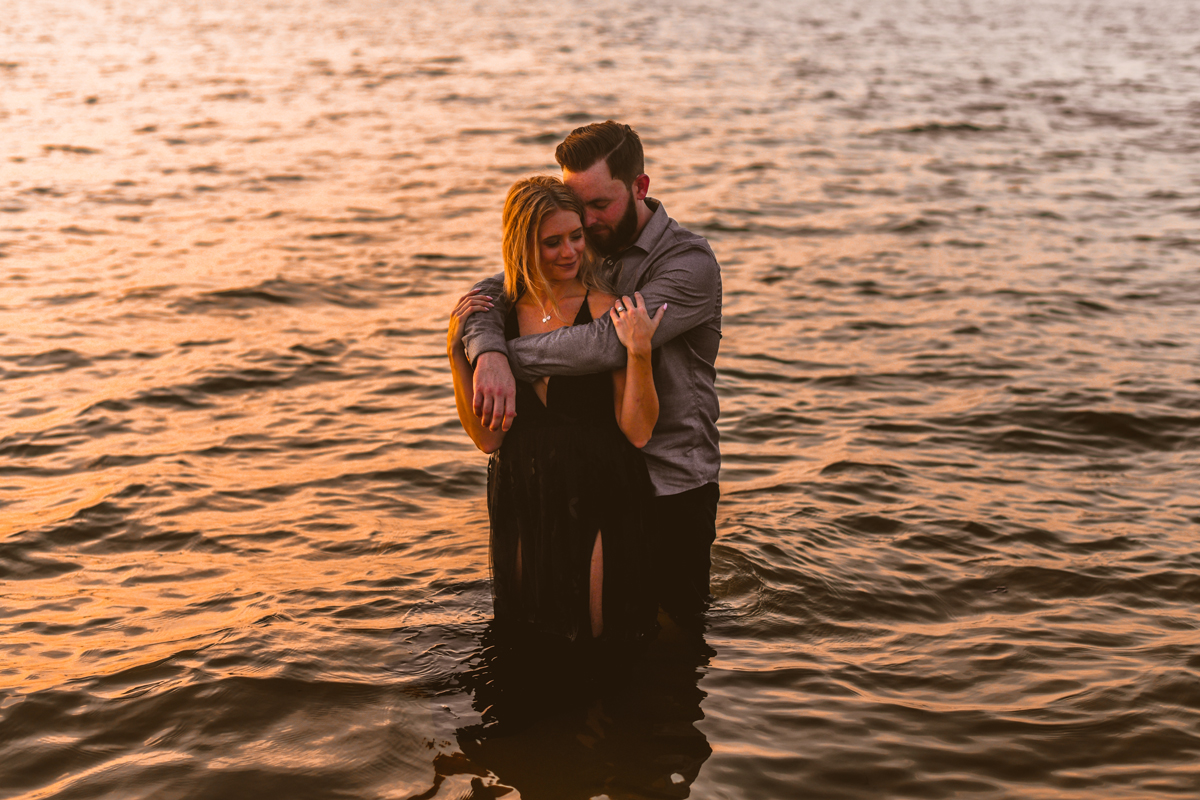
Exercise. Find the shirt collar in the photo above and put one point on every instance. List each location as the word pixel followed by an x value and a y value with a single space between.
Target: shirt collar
pixel 655 227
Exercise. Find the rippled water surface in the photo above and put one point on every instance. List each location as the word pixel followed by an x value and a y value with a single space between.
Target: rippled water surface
pixel 243 538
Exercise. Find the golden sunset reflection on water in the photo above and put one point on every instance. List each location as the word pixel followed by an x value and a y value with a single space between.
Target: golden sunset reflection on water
pixel 243 540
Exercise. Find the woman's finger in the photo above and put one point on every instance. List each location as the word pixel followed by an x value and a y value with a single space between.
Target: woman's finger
pixel 473 296
pixel 634 308
pixel 471 309
pixel 472 304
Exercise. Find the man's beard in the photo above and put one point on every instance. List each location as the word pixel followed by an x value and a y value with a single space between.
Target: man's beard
pixel 622 235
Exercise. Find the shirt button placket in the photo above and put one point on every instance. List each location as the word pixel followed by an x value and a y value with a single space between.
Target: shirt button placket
pixel 612 266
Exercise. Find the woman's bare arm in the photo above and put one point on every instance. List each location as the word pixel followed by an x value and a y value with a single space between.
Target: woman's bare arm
pixel 485 439
pixel 634 397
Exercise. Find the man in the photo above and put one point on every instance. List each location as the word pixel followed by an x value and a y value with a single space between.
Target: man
pixel 644 250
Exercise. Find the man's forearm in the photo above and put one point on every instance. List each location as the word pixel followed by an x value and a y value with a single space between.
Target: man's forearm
pixel 689 284
pixel 483 331
pixel 575 350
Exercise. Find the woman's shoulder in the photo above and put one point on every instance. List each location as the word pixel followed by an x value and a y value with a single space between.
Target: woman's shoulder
pixel 599 302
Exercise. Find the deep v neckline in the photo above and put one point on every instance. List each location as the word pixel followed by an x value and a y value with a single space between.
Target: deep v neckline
pixel 582 317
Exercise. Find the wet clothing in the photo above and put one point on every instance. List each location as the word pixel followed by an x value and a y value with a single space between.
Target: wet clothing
pixel 564 474
pixel 670 264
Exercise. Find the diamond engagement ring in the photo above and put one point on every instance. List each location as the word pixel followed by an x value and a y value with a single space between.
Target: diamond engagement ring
pixel 620 309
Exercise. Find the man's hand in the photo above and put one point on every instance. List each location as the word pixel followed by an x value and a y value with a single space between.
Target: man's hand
pixel 495 391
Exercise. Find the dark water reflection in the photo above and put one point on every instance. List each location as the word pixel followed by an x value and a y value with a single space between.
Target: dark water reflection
pixel 560 723
pixel 243 539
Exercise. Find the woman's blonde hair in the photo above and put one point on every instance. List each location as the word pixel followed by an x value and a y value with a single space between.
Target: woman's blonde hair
pixel 529 202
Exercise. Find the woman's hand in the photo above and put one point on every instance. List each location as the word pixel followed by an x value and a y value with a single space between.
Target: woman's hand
pixel 633 323
pixel 467 305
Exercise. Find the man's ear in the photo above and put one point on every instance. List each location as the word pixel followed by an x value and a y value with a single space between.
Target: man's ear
pixel 641 187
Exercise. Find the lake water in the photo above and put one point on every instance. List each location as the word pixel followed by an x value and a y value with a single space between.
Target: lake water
pixel 243 547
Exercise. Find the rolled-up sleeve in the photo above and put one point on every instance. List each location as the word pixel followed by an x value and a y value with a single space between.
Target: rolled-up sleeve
pixel 483 331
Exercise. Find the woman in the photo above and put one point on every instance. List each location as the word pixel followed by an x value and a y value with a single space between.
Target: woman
pixel 566 485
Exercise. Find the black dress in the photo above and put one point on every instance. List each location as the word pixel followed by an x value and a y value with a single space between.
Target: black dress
pixel 564 473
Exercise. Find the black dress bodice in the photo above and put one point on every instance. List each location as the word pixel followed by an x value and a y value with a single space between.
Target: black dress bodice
pixel 564 475
pixel 577 399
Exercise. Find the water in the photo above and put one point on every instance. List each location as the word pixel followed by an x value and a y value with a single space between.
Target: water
pixel 243 540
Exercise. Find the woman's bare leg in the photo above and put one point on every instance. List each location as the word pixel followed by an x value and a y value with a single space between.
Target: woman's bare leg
pixel 518 563
pixel 596 588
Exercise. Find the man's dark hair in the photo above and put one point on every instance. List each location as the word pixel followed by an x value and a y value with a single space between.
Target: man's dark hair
pixel 617 144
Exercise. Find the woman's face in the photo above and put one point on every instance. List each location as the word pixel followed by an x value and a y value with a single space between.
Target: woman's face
pixel 560 245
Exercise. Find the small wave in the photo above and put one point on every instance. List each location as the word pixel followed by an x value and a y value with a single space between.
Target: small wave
pixel 474 100
pixel 370 215
pixel 955 167
pixel 17 563
pixel 239 381
pixel 160 398
pixel 1116 119
pixel 941 128
pixel 241 94
pixel 915 225
pixel 444 257
pixel 842 467
pixel 349 237
pixel 719 226
pixel 485 131
pixel 328 349
pixel 1037 582
pixel 1077 432
pixel 277 292
pixel 75 230
pixel 869 523
pixel 88 526
pixel 61 358
pixel 67 298
pixel 70 148
pixel 547 138
pixel 113 199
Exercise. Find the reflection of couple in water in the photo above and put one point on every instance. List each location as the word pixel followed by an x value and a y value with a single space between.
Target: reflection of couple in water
pixel 587 370
pixel 583 545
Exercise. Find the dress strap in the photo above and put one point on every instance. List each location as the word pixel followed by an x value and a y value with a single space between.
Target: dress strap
pixel 584 316
pixel 512 326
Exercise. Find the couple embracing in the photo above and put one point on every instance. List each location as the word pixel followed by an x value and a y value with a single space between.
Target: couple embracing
pixel 588 371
